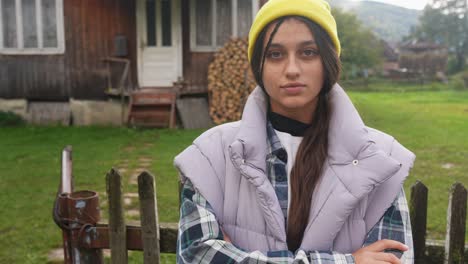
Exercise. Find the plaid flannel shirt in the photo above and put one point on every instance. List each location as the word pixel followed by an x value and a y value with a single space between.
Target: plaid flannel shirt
pixel 201 239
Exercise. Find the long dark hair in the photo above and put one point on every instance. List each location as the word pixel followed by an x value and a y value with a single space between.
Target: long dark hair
pixel 313 149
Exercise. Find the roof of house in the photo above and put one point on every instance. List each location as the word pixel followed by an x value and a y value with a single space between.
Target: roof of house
pixel 420 45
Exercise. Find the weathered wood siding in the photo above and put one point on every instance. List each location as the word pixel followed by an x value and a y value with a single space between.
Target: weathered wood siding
pixel 195 63
pixel 90 27
pixel 26 76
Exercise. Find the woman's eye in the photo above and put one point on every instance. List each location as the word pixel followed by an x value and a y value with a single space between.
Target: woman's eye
pixel 309 52
pixel 274 54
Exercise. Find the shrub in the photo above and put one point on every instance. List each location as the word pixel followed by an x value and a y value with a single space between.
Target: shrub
pixel 465 78
pixel 11 119
pixel 459 81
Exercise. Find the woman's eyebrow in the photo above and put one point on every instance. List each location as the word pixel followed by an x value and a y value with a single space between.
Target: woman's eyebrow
pixel 308 42
pixel 301 44
pixel 276 45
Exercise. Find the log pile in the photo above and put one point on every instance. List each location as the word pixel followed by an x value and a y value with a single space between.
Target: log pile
pixel 230 81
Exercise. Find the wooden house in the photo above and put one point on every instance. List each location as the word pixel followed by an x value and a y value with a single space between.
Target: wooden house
pixel 422 58
pixel 60 51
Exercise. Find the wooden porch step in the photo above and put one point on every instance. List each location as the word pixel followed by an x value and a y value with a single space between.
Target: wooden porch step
pixel 153 99
pixel 150 114
pixel 152 108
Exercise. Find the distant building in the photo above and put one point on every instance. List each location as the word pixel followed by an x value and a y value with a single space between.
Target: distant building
pixel 390 55
pixel 423 58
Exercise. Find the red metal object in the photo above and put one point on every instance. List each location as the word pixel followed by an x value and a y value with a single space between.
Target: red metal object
pixel 75 213
pixel 83 213
pixel 78 213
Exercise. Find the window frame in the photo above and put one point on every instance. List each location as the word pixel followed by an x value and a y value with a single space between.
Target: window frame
pixel 40 50
pixel 215 46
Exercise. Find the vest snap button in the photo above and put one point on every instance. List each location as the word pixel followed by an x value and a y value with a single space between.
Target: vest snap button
pixel 355 162
pixel 243 161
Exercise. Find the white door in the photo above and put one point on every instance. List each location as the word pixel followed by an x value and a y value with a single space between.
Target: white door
pixel 159 42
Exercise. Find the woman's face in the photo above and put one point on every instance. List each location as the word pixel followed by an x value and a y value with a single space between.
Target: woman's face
pixel 293 70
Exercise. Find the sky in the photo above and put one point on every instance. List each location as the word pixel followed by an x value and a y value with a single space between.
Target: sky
pixel 413 4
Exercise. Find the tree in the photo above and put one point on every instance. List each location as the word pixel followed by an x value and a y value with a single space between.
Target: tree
pixel 446 22
pixel 360 48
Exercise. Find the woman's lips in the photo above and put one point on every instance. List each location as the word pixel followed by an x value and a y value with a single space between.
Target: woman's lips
pixel 293 89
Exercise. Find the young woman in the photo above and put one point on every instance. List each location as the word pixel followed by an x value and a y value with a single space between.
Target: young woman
pixel 300 178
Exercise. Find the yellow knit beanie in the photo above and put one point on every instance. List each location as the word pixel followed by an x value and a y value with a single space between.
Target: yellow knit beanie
pixel 316 10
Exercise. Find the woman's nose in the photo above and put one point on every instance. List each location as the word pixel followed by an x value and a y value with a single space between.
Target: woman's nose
pixel 292 68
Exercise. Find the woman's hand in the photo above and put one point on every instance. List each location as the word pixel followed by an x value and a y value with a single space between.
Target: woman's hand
pixel 374 252
pixel 226 237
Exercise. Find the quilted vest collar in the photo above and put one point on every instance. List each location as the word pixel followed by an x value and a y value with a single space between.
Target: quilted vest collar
pixel 353 158
pixel 349 142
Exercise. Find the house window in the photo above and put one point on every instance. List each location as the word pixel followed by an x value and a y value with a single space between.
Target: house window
pixel 213 22
pixel 158 23
pixel 31 27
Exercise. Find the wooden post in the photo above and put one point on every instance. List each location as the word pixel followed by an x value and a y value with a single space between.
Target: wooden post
pixel 456 220
pixel 117 228
pixel 122 90
pixel 66 186
pixel 418 214
pixel 172 117
pixel 149 217
pixel 66 182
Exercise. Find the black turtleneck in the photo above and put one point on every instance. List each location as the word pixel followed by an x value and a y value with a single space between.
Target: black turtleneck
pixel 288 125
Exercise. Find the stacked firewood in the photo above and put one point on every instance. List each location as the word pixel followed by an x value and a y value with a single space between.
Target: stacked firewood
pixel 230 81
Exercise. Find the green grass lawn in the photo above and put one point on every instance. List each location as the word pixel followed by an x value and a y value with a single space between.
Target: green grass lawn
pixel 433 124
pixel 30 174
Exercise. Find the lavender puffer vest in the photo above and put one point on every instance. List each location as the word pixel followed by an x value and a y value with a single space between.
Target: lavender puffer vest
pixel 362 176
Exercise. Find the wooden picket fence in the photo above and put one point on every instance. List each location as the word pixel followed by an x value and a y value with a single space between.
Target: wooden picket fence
pixel 77 213
pixel 454 248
